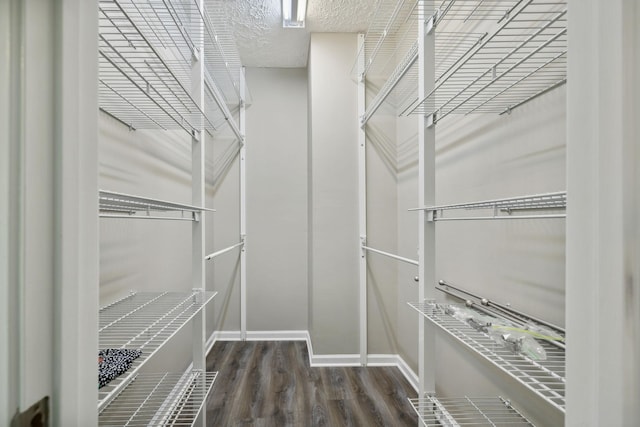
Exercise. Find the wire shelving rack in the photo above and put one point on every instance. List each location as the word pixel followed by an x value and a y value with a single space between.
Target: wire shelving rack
pixel 144 321
pixel 120 205
pixel 145 54
pixel 546 378
pixel 465 411
pixel 506 208
pixel 524 56
pixel 478 69
pixel 160 399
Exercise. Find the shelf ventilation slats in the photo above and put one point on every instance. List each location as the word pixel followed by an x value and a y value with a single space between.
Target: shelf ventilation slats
pixel 390 34
pixel 120 205
pixel 145 76
pixel 523 57
pixel 507 208
pixel 465 411
pixel 160 400
pixel 146 50
pixel 144 321
pixel 220 52
pixel 546 378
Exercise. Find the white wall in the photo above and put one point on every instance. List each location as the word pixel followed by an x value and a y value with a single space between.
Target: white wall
pixel 146 255
pixel 277 200
pixel 222 231
pixel 333 174
pixel 382 222
pixel 517 262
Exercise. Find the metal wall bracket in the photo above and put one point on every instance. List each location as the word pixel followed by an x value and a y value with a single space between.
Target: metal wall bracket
pixel 432 119
pixel 37 415
pixel 430 24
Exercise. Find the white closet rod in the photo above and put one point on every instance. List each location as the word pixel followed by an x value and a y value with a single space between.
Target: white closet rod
pixel 387 254
pixel 223 251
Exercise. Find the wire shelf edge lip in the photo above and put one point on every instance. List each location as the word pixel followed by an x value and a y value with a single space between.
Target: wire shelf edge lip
pixel 111 200
pixel 152 399
pixel 467 411
pixel 556 200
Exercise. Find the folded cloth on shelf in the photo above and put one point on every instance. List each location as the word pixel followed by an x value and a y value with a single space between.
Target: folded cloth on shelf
pixel 113 362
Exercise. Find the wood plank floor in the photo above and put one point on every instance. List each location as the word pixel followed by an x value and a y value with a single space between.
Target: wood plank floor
pixel 270 383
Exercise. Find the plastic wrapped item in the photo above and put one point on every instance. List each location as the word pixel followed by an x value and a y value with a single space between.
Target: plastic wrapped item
pixel 477 321
pixel 535 331
pixel 542 332
pixel 518 341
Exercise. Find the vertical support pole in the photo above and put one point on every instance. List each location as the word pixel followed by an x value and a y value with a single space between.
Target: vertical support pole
pixel 362 197
pixel 243 210
pixel 603 214
pixel 426 196
pixel 198 199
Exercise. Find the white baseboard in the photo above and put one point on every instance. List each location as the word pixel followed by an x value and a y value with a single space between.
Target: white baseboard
pixel 408 373
pixel 257 336
pixel 277 335
pixel 397 361
pixel 317 360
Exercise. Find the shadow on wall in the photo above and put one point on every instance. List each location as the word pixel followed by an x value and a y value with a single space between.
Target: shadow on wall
pixel 384 146
pixel 389 327
pixel 221 167
pixel 466 136
pixel 226 294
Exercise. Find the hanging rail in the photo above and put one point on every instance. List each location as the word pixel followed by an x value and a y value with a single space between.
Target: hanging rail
pixel 503 208
pixel 387 254
pixel 223 251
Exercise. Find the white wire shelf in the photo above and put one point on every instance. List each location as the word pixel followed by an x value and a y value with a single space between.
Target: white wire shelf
pixel 546 378
pixel 522 58
pixel 220 52
pixel 145 75
pixel 391 33
pixel 145 53
pixel 160 400
pixel 507 208
pixel 120 205
pixel 144 321
pixel 400 89
pixel 465 411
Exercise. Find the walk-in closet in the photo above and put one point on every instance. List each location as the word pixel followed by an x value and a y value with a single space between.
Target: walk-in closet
pixel 320 213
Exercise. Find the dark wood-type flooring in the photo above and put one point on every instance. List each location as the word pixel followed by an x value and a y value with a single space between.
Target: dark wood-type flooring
pixel 271 384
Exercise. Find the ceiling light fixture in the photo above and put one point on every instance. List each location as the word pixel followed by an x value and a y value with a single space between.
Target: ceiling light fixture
pixel 293 13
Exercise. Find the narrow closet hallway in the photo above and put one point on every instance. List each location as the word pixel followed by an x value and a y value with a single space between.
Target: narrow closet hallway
pixel 320 213
pixel 270 383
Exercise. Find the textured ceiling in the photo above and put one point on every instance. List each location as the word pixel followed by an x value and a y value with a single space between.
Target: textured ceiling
pixel 262 42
